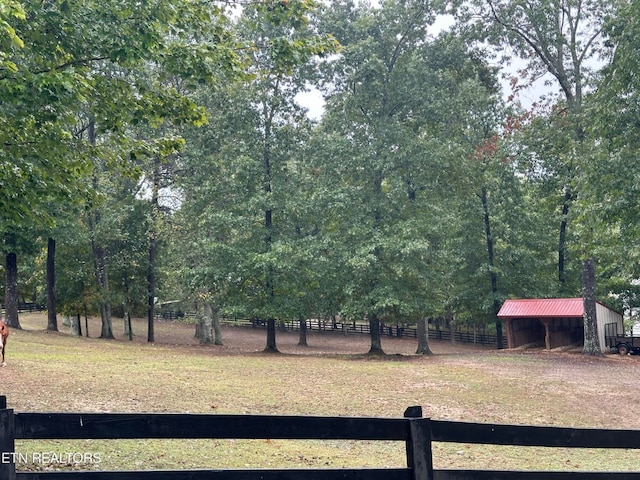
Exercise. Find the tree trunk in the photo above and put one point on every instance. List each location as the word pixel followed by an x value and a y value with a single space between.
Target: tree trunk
pixel 374 329
pixel 128 329
pixel 452 325
pixel 492 273
pixel 75 326
pixel 268 115
pixel 102 277
pixel 499 334
pixel 52 319
pixel 11 292
pixel 205 333
pixel 107 326
pixel 562 239
pixel 271 336
pixel 151 285
pixel 591 339
pixel 302 341
pixel 423 337
pixel 86 320
pixel 217 329
pixel 99 255
pixel 151 274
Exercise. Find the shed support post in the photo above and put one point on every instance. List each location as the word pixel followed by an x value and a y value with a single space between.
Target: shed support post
pixel 7 441
pixel 509 330
pixel 547 332
pixel 419 450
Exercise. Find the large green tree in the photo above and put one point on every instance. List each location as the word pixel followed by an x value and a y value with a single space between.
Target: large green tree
pixel 245 216
pixel 562 43
pixel 609 187
pixel 79 58
pixel 562 40
pixel 89 64
pixel 396 144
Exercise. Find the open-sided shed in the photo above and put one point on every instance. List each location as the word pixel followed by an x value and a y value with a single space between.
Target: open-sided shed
pixel 552 322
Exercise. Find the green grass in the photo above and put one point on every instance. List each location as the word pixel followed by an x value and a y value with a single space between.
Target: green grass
pixel 57 372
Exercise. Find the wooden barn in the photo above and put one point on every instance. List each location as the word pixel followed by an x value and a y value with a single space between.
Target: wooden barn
pixel 552 322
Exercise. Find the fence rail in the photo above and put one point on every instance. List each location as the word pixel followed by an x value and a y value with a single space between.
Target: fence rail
pixel 27 307
pixel 478 336
pixel 417 432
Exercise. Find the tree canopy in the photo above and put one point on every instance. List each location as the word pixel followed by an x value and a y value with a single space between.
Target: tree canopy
pixel 163 144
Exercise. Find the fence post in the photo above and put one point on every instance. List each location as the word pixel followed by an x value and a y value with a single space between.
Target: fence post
pixel 419 456
pixel 7 441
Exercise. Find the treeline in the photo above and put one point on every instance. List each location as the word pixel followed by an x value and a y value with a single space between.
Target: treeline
pixel 157 154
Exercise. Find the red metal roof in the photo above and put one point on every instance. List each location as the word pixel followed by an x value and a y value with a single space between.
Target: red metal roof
pixel 542 307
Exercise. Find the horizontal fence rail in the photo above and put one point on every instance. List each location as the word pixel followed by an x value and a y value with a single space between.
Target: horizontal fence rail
pixel 27 307
pixel 463 335
pixel 304 474
pixel 529 436
pixel 418 434
pixel 100 426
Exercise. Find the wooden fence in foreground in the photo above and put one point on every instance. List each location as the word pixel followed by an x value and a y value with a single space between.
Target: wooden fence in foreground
pixel 417 432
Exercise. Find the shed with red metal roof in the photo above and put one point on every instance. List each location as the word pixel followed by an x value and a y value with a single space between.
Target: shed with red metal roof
pixel 554 322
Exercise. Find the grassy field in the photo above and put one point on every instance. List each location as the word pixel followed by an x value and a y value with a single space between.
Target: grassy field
pixel 58 372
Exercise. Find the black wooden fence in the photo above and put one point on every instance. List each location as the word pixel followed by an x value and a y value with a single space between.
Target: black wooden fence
pixel 417 432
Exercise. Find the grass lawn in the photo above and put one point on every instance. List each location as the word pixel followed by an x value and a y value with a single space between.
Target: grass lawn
pixel 57 372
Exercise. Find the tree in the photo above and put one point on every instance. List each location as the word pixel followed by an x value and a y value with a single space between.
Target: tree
pixel 256 131
pixel 609 190
pixel 368 103
pixel 76 289
pixel 560 39
pixel 52 320
pixel 503 201
pixel 591 339
pixel 394 124
pixel 67 62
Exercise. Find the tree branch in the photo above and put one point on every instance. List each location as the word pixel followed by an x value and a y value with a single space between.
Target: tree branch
pixel 74 63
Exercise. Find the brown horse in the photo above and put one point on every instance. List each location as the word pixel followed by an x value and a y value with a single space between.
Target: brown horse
pixel 4 334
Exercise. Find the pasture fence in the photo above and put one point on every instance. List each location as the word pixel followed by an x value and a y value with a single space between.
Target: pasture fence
pixel 26 307
pixel 478 335
pixel 417 432
pixel 463 334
